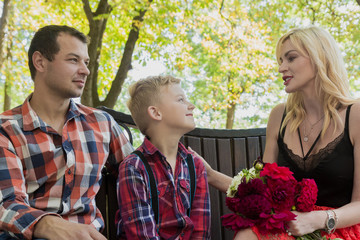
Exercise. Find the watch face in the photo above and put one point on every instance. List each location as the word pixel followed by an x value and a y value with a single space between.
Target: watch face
pixel 331 223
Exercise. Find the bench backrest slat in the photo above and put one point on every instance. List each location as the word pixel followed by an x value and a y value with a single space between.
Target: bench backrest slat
pixel 240 158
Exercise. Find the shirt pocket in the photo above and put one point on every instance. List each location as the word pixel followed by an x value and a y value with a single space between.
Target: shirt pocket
pixel 184 193
pixel 166 196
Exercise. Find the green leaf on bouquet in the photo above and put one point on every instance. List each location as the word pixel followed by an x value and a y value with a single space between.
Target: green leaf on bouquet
pixel 315 236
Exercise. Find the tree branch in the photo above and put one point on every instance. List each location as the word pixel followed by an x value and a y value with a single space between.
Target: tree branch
pixel 125 64
pixel 102 7
pixel 232 24
pixel 88 12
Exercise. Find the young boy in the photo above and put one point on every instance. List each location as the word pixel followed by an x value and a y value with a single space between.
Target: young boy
pixel 163 114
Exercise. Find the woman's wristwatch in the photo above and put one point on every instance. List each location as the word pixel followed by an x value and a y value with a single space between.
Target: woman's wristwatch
pixel 331 221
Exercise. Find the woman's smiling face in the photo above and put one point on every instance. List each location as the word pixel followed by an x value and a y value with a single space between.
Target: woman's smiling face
pixel 297 70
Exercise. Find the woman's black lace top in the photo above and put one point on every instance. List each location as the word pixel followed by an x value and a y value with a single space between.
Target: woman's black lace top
pixel 332 168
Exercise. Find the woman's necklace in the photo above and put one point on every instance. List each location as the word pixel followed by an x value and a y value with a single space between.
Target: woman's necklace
pixel 306 136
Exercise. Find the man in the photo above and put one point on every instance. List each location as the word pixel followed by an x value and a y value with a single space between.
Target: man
pixel 52 150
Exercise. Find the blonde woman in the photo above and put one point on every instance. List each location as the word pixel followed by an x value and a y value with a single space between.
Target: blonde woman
pixel 315 134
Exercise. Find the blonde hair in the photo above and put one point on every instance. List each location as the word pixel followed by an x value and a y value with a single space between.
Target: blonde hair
pixel 331 82
pixel 145 93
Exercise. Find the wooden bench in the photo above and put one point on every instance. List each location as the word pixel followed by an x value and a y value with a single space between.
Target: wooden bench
pixel 227 151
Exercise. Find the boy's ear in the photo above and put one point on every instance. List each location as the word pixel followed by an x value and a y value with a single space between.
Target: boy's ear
pixel 154 112
pixel 39 61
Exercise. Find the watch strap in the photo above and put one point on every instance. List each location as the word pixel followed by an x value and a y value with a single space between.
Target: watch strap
pixel 331 221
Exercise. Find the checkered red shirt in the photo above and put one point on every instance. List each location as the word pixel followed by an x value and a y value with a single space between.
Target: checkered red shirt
pixel 43 172
pixel 135 219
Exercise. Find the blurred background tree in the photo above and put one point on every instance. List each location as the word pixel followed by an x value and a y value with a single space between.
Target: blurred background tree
pixel 223 50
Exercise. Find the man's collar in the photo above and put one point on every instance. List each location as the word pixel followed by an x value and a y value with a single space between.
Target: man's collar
pixel 32 121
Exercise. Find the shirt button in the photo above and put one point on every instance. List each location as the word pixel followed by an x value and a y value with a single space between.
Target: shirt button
pixel 69 171
pixel 182 234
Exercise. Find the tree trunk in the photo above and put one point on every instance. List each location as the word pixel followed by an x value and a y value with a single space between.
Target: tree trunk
pixel 97 23
pixel 358 1
pixel 230 116
pixel 125 64
pixel 9 76
pixel 7 89
pixel 3 23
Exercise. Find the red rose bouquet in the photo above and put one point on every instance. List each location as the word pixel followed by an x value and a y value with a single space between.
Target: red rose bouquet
pixel 265 196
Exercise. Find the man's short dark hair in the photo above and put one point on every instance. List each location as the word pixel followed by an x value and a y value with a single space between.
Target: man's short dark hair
pixel 45 41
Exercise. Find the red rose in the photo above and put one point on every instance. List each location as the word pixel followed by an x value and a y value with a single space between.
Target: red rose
pixel 250 199
pixel 272 170
pixel 254 186
pixel 307 195
pixel 236 222
pixel 275 223
pixel 281 193
pixel 232 203
pixel 252 206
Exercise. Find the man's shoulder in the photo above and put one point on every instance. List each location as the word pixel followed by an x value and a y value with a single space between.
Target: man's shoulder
pixel 13 115
pixel 93 113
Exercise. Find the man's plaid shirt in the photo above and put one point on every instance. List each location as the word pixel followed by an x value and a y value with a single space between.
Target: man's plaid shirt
pixel 43 172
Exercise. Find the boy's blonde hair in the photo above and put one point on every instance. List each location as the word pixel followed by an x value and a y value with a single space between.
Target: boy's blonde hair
pixel 145 93
pixel 331 81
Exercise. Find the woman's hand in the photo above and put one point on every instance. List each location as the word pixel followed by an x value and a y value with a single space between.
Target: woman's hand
pixel 306 222
pixel 208 168
pixel 216 179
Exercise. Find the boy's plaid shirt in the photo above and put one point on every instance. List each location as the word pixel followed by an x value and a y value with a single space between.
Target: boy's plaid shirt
pixel 43 172
pixel 136 218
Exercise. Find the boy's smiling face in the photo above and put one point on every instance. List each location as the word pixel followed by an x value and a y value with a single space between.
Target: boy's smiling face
pixel 176 110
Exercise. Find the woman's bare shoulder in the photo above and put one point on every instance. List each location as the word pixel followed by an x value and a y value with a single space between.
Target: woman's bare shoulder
pixel 354 119
pixel 274 121
pixel 355 113
pixel 277 112
pixel 355 109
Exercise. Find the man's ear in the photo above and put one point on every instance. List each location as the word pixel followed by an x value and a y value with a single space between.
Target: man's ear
pixel 154 112
pixel 39 61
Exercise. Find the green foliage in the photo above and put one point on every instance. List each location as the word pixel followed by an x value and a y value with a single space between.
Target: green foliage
pixel 229 53
pixel 224 50
pixel 226 54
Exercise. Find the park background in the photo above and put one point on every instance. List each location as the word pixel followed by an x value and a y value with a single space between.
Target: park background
pixel 224 50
